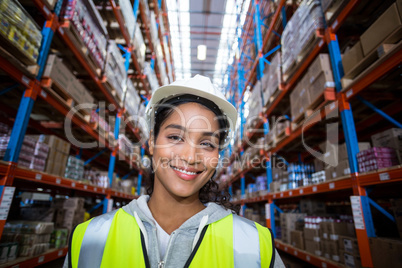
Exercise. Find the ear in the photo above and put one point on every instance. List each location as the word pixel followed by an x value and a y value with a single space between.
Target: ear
pixel 151 143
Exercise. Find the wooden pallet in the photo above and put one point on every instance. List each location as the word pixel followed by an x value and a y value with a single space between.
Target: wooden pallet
pixel 55 90
pixel 390 45
pixel 68 29
pixel 311 43
pixel 327 96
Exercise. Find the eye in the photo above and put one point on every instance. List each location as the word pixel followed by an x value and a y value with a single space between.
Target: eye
pixel 208 144
pixel 175 138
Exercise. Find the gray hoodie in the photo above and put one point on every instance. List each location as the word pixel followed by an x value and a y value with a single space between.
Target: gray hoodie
pixel 181 240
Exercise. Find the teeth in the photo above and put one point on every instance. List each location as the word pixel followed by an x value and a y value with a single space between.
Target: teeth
pixel 184 171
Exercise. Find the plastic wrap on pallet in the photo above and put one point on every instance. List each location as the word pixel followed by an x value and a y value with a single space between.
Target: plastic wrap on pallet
pixel 20 29
pixel 139 45
pixel 115 70
pixel 299 30
pixel 272 77
pixel 150 73
pixel 128 15
pixel 132 100
pixel 86 20
pixel 125 145
pixel 255 103
pixel 153 27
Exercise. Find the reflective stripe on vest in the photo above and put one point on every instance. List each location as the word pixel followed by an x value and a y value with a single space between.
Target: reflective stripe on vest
pixel 230 242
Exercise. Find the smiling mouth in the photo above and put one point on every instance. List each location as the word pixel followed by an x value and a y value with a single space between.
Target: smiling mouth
pixel 185 171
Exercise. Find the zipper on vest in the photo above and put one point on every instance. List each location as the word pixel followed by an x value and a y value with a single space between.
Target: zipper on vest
pixel 161 264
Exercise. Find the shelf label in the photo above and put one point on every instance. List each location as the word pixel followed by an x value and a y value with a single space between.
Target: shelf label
pixel 25 79
pixel 58 180
pixel 38 176
pixel 41 259
pixel 323 265
pixel 384 176
pixel 281 194
pixel 357 212
pixel 43 93
pixel 314 188
pixel 308 258
pixel 332 185
pixel 349 93
pixel 286 248
pixel 103 190
pixel 290 193
pixel 109 205
pixel 61 30
pixel 60 253
pixel 267 211
pixel 295 252
pixel 46 10
pixel 335 24
pixel 73 184
pixel 301 191
pixel 85 187
pixel 274 195
pixel 95 189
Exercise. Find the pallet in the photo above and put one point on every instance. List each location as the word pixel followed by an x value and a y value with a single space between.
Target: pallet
pixel 311 43
pixel 17 58
pixel 51 87
pixel 68 29
pixel 327 96
pixel 113 92
pixel 389 46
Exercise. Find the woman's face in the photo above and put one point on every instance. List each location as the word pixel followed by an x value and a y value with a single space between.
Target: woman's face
pixel 185 152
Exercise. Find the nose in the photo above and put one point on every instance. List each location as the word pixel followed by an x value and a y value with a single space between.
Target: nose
pixel 189 154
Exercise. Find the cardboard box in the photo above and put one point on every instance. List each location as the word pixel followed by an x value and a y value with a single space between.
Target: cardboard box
pixel 386 252
pixel 333 247
pixel 387 23
pixel 313 247
pixel 397 208
pixel 299 98
pixel 349 245
pixel 320 77
pixel 352 57
pixel 74 202
pixel 325 251
pixel 288 223
pixel 275 187
pixel 353 261
pixel 311 234
pixel 335 229
pixel 58 72
pixel 312 207
pixel 296 239
pixel 343 168
pixel 343 151
pixel 390 138
pixel 330 173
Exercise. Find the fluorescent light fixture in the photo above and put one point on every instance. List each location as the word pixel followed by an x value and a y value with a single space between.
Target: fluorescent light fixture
pixel 201 52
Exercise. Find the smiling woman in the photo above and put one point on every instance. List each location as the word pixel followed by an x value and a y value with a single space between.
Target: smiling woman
pixel 184 220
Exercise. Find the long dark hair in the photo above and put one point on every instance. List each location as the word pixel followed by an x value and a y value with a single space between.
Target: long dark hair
pixel 210 191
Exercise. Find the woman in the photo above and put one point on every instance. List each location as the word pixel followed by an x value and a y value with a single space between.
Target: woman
pixel 184 221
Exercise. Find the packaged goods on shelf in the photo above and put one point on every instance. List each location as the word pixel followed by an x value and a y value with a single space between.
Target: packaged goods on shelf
pixel 296 239
pixel 88 23
pixel 386 252
pixel 27 150
pixel 44 214
pixel 59 238
pixel 100 179
pixel 299 175
pixel 150 73
pixel 299 31
pixel 254 215
pixel 66 81
pixel 312 207
pixel 74 213
pixel 103 126
pixel 352 57
pixel 272 77
pixel 19 29
pixel 128 15
pixel 254 106
pixel 376 158
pixel 318 177
pixel 132 100
pixel 8 252
pixel 115 70
pixel 153 28
pixel 139 45
pixel 288 222
pixel 299 99
pixel 397 208
pixel 125 145
pixel 389 22
pixel 40 156
pixel 74 168
pixel 391 138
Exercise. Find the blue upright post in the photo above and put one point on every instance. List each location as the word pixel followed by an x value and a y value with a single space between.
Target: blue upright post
pixel 139 182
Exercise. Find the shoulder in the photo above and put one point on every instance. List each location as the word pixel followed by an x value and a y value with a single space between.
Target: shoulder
pixel 247 224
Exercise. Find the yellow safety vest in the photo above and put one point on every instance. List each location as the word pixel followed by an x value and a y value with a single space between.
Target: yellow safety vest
pixel 115 240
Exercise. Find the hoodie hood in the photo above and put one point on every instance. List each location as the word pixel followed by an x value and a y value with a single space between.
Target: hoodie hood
pixel 214 212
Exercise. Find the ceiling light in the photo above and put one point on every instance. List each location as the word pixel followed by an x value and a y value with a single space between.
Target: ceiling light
pixel 201 52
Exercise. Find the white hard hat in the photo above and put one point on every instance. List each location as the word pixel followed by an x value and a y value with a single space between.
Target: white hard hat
pixel 199 86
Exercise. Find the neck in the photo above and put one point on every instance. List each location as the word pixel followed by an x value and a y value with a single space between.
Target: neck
pixel 171 211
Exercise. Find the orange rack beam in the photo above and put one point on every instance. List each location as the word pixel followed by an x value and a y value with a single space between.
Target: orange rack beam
pixel 29 262
pixel 306 256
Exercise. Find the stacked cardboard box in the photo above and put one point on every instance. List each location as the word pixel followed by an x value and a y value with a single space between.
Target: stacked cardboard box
pixel 349 251
pixel 115 70
pixel 312 239
pixel 272 77
pixel 376 158
pixel 288 223
pixel 26 153
pixel 386 252
pixel 391 138
pixel 73 212
pixel 139 45
pixel 8 251
pixel 297 239
pixel 312 207
pixel 39 157
pixel 59 238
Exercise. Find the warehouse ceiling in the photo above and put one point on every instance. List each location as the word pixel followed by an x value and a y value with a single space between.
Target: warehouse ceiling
pixel 211 23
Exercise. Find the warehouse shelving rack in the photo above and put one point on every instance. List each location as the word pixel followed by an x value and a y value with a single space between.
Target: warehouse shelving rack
pixel 357 182
pixel 34 89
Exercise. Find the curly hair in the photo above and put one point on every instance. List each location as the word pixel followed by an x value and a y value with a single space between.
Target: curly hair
pixel 210 191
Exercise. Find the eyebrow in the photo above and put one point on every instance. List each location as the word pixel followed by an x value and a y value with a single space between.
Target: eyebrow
pixel 184 129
